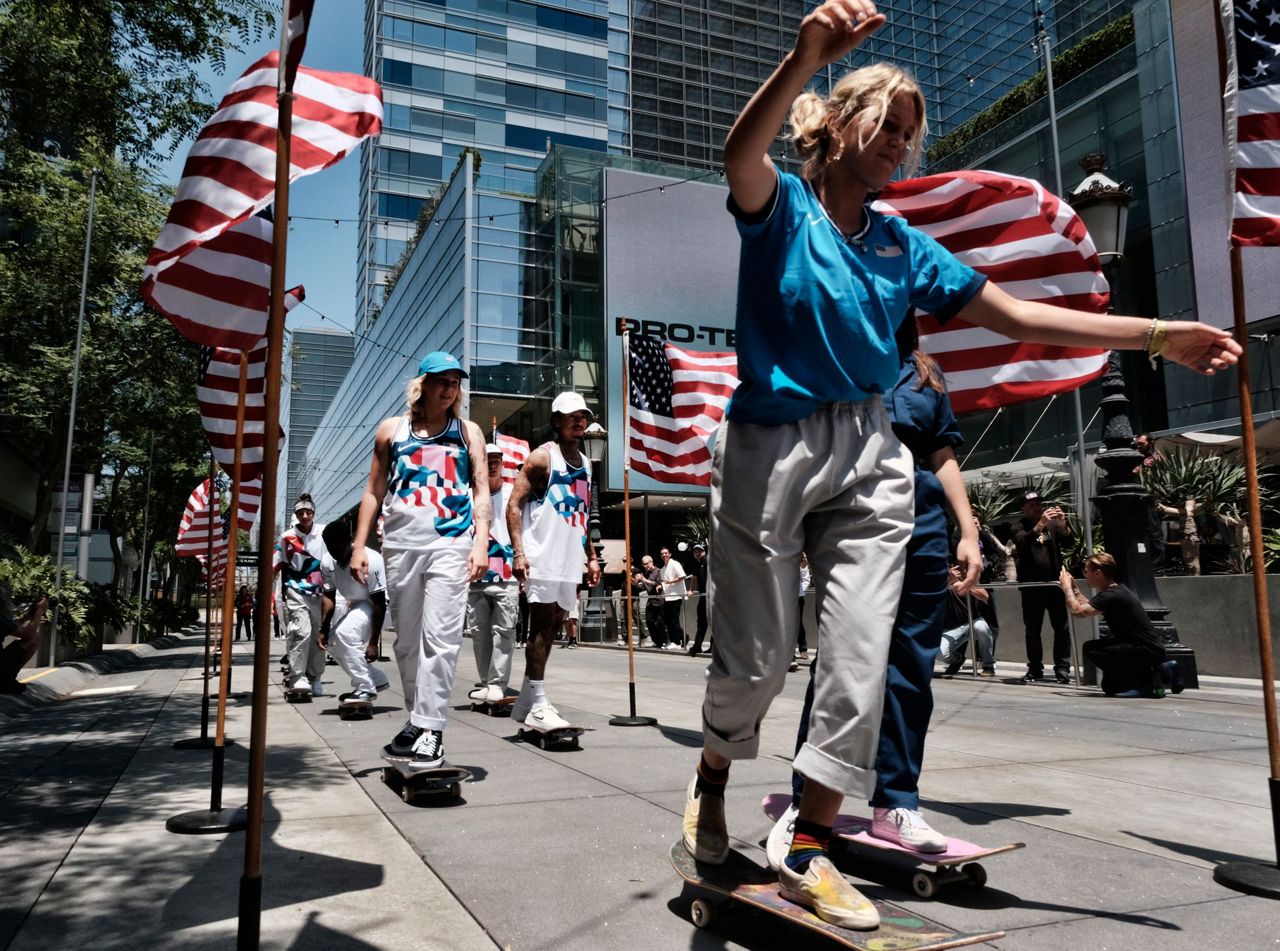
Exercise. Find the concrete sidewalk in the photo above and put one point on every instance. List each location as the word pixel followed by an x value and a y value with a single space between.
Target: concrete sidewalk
pixel 1125 806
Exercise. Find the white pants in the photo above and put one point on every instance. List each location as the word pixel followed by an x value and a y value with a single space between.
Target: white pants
pixel 301 625
pixel 836 485
pixel 349 634
pixel 493 610
pixel 954 640
pixel 427 591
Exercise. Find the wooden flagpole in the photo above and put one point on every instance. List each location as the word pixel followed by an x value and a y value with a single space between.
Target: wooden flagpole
pixel 631 719
pixel 202 742
pixel 250 909
pixel 214 820
pixel 1253 878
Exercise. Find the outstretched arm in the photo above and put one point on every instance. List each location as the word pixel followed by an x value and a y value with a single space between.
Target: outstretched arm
pixel 1198 346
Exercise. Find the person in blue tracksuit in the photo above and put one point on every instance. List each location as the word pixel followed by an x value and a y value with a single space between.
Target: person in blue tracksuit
pixel 920 412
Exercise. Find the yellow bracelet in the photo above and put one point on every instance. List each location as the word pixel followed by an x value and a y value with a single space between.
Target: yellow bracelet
pixel 1159 340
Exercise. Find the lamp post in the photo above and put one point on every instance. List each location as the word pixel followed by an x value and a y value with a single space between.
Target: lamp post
pixel 593 617
pixel 1124 504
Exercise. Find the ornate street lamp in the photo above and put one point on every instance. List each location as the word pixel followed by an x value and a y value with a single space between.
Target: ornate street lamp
pixel 594 441
pixel 1124 505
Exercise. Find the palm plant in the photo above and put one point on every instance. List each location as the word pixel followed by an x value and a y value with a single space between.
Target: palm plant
pixel 1218 483
pixel 991 501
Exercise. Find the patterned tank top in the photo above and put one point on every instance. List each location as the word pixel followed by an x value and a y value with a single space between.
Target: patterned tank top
pixel 428 500
pixel 500 554
pixel 555 525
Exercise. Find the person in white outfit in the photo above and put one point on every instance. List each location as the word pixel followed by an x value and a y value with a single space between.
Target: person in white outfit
pixel 493 603
pixel 297 560
pixel 547 517
pixel 435 523
pixel 351 626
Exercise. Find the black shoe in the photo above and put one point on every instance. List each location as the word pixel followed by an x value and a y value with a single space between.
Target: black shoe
pixel 1030 678
pixel 1061 677
pixel 1168 675
pixel 404 741
pixel 428 751
pixel 952 669
pixel 694 651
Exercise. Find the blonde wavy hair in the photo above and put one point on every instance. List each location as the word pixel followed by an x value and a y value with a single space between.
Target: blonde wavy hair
pixel 861 95
pixel 413 395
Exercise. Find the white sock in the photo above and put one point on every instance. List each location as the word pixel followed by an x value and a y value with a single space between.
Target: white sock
pixel 539 690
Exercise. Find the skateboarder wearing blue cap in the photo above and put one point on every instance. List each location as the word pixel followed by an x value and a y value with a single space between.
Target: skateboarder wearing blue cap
pixel 427 478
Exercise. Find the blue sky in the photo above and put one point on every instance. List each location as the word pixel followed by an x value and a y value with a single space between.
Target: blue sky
pixel 322 255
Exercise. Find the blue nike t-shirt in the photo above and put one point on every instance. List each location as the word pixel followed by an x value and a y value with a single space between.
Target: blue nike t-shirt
pixel 817 313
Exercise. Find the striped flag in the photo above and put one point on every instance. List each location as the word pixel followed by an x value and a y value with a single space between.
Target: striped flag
pixel 219 567
pixel 1031 244
pixel 514 453
pixel 201 518
pixel 677 399
pixel 297 20
pixel 1251 101
pixel 216 298
pixel 216 394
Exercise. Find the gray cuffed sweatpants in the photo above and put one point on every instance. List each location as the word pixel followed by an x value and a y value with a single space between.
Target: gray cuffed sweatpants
pixel 838 486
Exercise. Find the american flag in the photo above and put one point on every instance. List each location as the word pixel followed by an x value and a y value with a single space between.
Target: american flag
pixel 677 399
pixel 217 393
pixel 1252 100
pixel 514 453
pixel 1030 243
pixel 219 298
pixel 201 518
pixel 297 20
pixel 219 567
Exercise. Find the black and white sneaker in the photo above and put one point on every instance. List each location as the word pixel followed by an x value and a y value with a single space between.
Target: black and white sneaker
pixel 428 752
pixel 404 741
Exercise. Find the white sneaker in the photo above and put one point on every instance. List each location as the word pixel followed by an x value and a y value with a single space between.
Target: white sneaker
pixel 545 718
pixel 479 695
pixel 779 842
pixel 494 693
pixel 317 688
pixel 520 709
pixel 908 828
pixel 647 642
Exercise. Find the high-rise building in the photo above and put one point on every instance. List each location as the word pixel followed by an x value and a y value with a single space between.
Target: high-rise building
pixel 317 362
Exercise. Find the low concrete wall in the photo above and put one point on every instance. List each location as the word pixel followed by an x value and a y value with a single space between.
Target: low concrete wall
pixel 1214 616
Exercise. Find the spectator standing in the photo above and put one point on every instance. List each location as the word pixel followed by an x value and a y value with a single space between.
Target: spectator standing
pixel 244 613
pixel 673 595
pixel 1037 540
pixel 700 591
pixel 649 580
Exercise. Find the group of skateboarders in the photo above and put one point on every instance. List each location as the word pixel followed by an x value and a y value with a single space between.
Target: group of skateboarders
pixel 839 443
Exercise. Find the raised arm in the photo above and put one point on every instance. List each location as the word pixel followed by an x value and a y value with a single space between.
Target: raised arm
pixel 826 34
pixel 375 489
pixel 1077 603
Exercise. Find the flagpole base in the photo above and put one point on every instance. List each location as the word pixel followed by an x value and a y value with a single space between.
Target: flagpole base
pixel 208 821
pixel 633 721
pixel 1252 878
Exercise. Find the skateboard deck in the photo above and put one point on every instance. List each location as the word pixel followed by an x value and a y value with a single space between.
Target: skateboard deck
pixel 355 709
pixel 565 736
pixel 297 694
pixel 959 863
pixel 497 708
pixel 411 784
pixel 740 879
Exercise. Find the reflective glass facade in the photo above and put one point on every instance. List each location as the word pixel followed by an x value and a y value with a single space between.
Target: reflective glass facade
pixel 504 77
pixel 317 362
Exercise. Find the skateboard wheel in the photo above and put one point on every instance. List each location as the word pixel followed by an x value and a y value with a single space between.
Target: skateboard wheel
pixel 576 744
pixel 406 794
pixel 924 884
pixel 456 790
pixel 977 874
pixel 385 776
pixel 701 912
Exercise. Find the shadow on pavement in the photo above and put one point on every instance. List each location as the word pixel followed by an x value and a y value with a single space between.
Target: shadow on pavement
pixel 1182 848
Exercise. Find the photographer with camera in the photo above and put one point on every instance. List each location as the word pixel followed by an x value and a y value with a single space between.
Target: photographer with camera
pixel 1037 539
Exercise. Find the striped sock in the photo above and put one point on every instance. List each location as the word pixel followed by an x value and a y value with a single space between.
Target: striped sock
pixel 810 841
pixel 711 781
